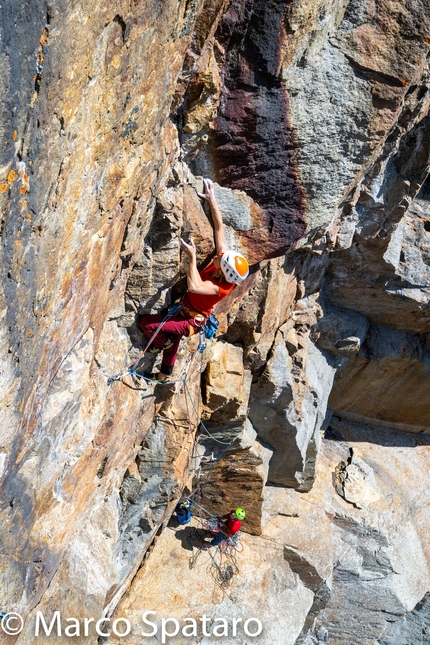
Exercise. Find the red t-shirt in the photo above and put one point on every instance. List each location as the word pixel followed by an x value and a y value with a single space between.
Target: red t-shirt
pixel 205 303
pixel 233 526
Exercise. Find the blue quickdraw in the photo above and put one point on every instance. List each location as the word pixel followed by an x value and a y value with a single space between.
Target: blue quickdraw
pixel 207 331
pixel 211 326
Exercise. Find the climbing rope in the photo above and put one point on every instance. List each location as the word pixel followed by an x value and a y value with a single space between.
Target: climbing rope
pixel 223 571
pixel 182 379
pixel 222 563
pixel 132 370
pixel 225 443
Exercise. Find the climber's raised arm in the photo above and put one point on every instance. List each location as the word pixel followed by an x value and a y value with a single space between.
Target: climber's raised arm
pixel 205 289
pixel 209 196
pixel 195 283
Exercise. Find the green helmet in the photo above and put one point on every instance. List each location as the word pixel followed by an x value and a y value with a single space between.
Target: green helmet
pixel 240 514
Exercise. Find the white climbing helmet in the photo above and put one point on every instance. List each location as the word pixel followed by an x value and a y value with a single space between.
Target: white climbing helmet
pixel 234 266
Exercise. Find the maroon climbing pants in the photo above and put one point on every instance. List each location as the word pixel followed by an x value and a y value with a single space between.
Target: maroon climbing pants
pixel 173 329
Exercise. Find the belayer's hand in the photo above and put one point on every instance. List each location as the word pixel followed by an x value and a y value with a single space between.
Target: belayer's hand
pixel 209 193
pixel 189 249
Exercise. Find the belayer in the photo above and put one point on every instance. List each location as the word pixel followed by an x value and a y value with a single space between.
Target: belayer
pixel 205 289
pixel 228 526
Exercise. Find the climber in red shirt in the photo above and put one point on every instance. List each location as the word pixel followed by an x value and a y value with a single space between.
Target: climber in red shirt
pixel 205 289
pixel 229 525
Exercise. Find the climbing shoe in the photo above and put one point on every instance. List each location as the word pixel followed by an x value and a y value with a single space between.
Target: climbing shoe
pixel 154 377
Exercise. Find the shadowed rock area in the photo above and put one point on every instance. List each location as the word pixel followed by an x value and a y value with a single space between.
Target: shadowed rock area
pixel 312 120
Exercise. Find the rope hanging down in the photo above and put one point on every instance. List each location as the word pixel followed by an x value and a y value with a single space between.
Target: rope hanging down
pixel 226 568
pixel 183 379
pixel 222 572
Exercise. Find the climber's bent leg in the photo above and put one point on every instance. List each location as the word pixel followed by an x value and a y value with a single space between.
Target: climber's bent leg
pixel 177 327
pixel 169 356
pixel 149 325
pixel 172 331
pixel 174 328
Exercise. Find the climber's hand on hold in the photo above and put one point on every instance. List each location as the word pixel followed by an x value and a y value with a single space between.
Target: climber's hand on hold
pixel 209 196
pixel 194 282
pixel 209 193
pixel 189 249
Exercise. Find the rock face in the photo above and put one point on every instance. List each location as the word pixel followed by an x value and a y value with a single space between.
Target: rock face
pixel 341 570
pixel 289 405
pixel 363 389
pixel 312 119
pixel 283 593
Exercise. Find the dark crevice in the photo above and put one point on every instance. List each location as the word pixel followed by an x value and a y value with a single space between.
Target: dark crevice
pixel 120 21
pixel 422 92
pixel 102 468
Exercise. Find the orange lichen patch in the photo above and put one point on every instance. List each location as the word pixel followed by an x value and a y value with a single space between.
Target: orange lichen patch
pixel 23 189
pixel 11 176
pixel 30 331
pixel 21 406
pixel 14 135
pixel 40 56
pixel 23 205
pixel 3 188
pixel 44 38
pixel 29 217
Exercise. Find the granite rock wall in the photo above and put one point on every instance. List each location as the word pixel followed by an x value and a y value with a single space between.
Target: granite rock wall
pixel 312 119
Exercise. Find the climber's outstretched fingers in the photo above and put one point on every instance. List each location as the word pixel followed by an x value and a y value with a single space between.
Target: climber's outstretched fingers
pixel 190 248
pixel 209 193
